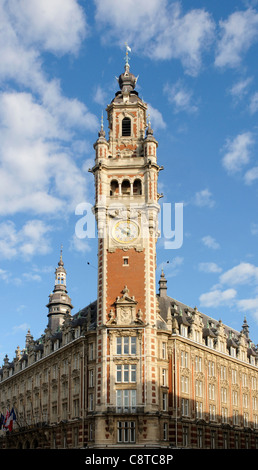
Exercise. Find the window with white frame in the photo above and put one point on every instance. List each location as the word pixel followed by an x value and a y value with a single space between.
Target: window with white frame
pixel 184 331
pixel 212 410
pixel 164 350
pixel 184 359
pixel 198 407
pixel 126 373
pixel 126 400
pixel 198 364
pixel 126 345
pixel 184 384
pixel 224 414
pixel 212 391
pixel 211 368
pixel 234 376
pixel 185 406
pixel 235 397
pixel 224 395
pixel 223 373
pixel 198 388
pixel 164 377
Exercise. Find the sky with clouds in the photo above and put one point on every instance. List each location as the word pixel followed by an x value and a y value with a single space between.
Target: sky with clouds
pixel 197 67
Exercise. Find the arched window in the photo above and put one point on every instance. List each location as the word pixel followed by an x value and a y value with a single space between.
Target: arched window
pixel 113 188
pixel 137 187
pixel 126 127
pixel 126 187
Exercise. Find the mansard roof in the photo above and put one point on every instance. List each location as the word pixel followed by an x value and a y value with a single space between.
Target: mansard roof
pixel 183 314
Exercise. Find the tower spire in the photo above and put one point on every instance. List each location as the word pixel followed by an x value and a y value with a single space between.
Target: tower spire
pixel 59 301
pixel 61 263
pixel 127 49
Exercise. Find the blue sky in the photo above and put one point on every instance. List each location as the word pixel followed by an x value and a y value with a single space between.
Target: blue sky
pixel 197 67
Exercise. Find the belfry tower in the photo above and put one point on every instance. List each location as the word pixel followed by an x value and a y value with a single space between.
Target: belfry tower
pixel 126 210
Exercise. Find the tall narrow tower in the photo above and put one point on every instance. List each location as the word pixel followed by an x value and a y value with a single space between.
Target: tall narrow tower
pixel 126 210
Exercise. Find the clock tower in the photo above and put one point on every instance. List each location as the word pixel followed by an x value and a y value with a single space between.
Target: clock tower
pixel 126 210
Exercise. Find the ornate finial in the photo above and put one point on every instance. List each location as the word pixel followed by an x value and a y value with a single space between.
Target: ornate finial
pixel 127 49
pixel 149 130
pixel 102 132
pixel 61 263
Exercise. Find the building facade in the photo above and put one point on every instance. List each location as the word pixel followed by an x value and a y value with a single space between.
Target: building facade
pixel 136 367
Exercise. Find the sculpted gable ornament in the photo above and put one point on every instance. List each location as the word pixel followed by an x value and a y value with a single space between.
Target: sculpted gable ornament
pixel 125 311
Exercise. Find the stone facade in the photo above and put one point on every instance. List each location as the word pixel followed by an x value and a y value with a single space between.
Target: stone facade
pixel 135 368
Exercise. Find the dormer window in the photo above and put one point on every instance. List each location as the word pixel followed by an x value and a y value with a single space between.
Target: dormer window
pixel 232 351
pixel 126 127
pixel 184 331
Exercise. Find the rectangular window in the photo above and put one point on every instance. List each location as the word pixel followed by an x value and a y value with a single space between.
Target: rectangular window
pixel 185 436
pixel 164 401
pixel 126 345
pixel 91 376
pixel 164 351
pixel 185 406
pixel 165 431
pixel 126 373
pixel 198 364
pixel 126 431
pixel 126 401
pixel 164 377
pixel 184 331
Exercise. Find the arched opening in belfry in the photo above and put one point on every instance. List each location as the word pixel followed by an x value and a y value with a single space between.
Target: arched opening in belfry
pixel 137 187
pixel 114 188
pixel 126 187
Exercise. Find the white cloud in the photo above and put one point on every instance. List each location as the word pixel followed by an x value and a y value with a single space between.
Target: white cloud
pixel 39 128
pixel 254 229
pixel 158 29
pixel 180 97
pixel 237 152
pixel 249 305
pixel 239 89
pixel 100 96
pixel 243 273
pixel 4 275
pixel 31 239
pixel 80 245
pixel 251 175
pixel 210 242
pixel 36 170
pixel 254 103
pixel 217 297
pixel 156 118
pixel 238 32
pixel 58 26
pixel 204 198
pixel 210 267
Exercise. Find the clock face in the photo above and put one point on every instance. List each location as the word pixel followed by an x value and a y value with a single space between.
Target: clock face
pixel 125 231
